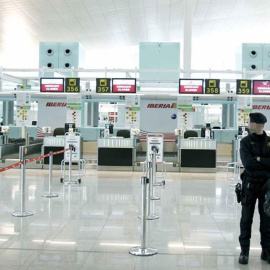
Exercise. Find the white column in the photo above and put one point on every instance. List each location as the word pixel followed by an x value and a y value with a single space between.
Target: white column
pixel 189 8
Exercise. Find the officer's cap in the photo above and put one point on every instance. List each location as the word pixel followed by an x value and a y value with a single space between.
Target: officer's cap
pixel 257 118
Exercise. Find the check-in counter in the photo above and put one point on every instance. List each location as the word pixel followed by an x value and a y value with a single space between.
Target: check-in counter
pixel 116 154
pixel 197 155
pixel 53 144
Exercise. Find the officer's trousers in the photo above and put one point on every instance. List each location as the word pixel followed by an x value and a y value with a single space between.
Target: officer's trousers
pixel 248 206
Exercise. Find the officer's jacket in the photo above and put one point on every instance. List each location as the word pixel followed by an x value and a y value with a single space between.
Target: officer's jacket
pixel 250 148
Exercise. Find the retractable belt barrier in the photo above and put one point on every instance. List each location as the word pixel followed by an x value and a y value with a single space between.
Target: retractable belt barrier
pixel 32 159
pixel 23 162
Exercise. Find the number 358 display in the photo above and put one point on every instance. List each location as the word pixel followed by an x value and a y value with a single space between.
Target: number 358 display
pixel 212 86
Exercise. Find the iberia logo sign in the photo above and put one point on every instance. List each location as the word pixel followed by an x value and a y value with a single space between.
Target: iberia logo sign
pixel 261 107
pixel 56 104
pixel 162 105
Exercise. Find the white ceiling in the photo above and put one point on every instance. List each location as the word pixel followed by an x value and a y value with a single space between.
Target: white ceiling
pixel 107 24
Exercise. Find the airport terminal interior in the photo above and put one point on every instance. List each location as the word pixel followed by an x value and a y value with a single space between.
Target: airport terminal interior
pixel 120 131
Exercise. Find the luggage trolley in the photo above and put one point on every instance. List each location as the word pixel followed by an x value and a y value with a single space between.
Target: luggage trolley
pixel 72 140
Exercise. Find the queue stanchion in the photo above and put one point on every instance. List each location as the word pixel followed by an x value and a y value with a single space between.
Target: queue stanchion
pixel 50 194
pixel 22 213
pixel 155 183
pixel 70 166
pixel 150 202
pixel 153 172
pixel 143 250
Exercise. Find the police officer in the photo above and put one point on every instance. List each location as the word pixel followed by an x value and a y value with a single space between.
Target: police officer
pixel 255 156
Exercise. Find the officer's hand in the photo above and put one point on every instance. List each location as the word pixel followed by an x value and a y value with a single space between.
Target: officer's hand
pixel 258 159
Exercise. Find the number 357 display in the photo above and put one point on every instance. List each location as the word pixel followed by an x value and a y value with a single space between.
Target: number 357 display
pixel 103 85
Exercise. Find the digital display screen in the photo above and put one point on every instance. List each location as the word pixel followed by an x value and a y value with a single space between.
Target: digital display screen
pixel 190 86
pixel 103 85
pixel 212 86
pixel 243 87
pixel 124 86
pixel 51 84
pixel 72 85
pixel 261 87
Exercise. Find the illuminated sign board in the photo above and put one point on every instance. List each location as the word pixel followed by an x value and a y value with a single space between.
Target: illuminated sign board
pixel 72 85
pixel 212 86
pixel 124 86
pixel 103 85
pixel 52 85
pixel 243 87
pixel 190 86
pixel 261 87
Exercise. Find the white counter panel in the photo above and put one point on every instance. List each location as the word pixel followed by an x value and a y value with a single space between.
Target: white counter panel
pixel 116 143
pixel 205 144
pixel 54 141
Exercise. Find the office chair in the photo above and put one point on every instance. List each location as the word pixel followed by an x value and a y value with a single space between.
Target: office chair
pixel 59 132
pixel 123 133
pixel 190 133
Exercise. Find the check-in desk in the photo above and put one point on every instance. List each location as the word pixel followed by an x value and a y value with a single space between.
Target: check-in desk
pixel 116 154
pixel 53 144
pixel 197 155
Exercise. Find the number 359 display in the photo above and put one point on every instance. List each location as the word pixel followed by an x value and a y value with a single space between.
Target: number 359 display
pixel 243 87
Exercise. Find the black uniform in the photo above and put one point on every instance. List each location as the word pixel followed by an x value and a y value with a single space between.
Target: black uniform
pixel 254 177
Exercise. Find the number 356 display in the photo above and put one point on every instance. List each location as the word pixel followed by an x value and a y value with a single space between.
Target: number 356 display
pixel 72 85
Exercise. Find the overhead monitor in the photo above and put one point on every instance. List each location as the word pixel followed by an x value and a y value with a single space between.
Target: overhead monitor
pixel 261 87
pixel 52 85
pixel 191 86
pixel 103 85
pixel 124 86
pixel 212 86
pixel 243 87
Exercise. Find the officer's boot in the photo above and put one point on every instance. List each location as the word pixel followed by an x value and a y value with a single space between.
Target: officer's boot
pixel 243 258
pixel 266 254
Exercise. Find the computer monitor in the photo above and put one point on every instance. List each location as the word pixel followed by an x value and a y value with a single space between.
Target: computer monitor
pixel 110 127
pixel 240 130
pixel 68 126
pixel 203 132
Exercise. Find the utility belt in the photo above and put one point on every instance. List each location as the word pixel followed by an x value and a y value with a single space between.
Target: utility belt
pixel 254 180
pixel 250 189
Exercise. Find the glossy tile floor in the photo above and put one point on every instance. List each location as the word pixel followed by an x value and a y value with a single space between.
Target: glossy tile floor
pixel 94 225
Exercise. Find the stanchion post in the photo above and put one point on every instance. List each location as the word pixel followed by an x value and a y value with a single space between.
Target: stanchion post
pixel 155 183
pixel 150 214
pixel 152 178
pixel 70 165
pixel 22 213
pixel 50 194
pixel 143 250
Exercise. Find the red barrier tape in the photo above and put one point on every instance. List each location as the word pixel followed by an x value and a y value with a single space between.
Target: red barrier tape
pixel 10 166
pixel 31 160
